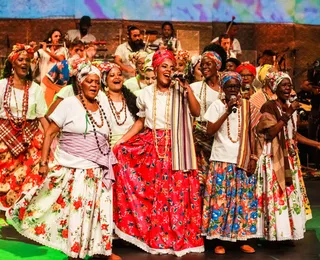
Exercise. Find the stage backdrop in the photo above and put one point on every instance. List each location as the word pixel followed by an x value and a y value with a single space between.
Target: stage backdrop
pixel 246 11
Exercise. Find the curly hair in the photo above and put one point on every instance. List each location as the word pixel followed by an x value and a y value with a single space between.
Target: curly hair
pixel 218 49
pixel 131 101
pixel 7 71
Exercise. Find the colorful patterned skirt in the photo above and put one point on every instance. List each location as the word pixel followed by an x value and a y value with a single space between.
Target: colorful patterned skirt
pixel 71 212
pixel 229 204
pixel 19 174
pixel 203 144
pixel 155 208
pixel 282 215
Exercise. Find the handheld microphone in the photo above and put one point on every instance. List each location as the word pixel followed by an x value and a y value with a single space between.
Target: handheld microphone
pixel 234 108
pixel 300 111
pixel 247 87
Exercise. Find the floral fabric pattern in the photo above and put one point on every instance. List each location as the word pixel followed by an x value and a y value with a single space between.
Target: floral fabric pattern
pixel 19 174
pixel 155 208
pixel 282 215
pixel 71 211
pixel 229 203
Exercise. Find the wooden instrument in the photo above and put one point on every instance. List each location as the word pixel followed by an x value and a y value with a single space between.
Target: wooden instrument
pixel 230 25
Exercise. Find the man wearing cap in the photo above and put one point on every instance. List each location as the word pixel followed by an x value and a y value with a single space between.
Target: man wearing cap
pixel 82 33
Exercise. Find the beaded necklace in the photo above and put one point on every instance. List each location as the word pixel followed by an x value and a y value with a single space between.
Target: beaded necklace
pixel 116 114
pixel 154 131
pixel 94 124
pixel 18 123
pixel 239 127
pixel 203 100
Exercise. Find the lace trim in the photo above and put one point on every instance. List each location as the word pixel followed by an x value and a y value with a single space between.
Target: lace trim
pixel 155 251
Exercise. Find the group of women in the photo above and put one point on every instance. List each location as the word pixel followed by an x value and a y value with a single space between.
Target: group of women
pixel 135 164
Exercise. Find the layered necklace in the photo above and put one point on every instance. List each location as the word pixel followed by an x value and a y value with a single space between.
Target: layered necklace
pixel 239 127
pixel 203 98
pixel 154 115
pixel 117 114
pixel 95 124
pixel 17 122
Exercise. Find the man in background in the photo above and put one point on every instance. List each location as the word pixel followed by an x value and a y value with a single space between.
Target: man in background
pixel 82 33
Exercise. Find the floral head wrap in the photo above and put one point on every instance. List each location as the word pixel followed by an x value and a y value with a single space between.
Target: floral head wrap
pixel 248 66
pixel 135 56
pixel 214 56
pixel 18 49
pixel 273 79
pixel 85 69
pixel 227 75
pixel 160 56
pixel 183 55
pixel 104 68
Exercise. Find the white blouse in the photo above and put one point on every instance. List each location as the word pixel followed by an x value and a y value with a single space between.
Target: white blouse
pixel 37 106
pixel 145 105
pixel 203 91
pixel 70 116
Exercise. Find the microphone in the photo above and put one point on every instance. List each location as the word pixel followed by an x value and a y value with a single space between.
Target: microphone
pixel 300 111
pixel 234 108
pixel 247 87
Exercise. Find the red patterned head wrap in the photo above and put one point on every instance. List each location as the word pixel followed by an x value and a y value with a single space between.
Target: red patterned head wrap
pixel 248 66
pixel 18 49
pixel 160 56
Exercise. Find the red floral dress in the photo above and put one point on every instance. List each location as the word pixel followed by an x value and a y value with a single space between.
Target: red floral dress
pixel 155 208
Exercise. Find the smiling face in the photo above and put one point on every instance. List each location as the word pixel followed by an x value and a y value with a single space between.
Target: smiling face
pixel 284 90
pixel 91 86
pixel 231 88
pixel 164 71
pixel 21 65
pixel 115 80
pixel 208 67
pixel 140 65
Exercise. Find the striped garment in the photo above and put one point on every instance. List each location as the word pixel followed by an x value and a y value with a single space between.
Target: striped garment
pixel 86 148
pixel 251 116
pixel 183 150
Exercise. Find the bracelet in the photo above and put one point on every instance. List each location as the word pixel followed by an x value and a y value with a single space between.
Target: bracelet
pixel 254 157
pixel 43 163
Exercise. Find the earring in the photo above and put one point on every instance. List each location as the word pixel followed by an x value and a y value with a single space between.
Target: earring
pixel 49 39
pixel 12 71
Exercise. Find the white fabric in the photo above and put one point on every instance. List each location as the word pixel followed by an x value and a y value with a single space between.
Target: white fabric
pixel 235 47
pixel 211 96
pixel 73 34
pixel 132 84
pixel 174 42
pixel 145 105
pixel 223 150
pixel 37 106
pixel 123 51
pixel 118 130
pixel 45 63
pixel 70 116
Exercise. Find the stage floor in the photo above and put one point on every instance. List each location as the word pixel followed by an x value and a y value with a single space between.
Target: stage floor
pixel 14 247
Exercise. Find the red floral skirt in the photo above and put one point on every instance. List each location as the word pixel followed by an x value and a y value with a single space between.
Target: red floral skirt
pixel 19 174
pixel 155 208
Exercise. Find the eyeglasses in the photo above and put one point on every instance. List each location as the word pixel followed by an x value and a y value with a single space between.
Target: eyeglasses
pixel 232 86
pixel 246 75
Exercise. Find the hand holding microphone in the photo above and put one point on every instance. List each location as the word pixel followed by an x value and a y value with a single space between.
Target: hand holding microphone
pixel 232 104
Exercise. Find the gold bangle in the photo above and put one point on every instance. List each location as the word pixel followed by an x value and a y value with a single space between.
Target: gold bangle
pixel 43 163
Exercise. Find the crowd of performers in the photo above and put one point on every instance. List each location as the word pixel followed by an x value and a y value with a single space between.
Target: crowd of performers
pixel 161 160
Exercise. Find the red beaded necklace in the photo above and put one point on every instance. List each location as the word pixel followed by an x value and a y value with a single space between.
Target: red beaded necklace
pixel 18 123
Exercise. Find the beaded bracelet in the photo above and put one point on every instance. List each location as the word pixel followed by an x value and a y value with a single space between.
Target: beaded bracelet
pixel 43 163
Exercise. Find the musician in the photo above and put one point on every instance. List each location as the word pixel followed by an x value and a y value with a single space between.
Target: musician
pixel 168 40
pixel 232 30
pixel 82 33
pixel 267 57
pixel 58 76
pixel 51 51
pixel 312 85
pixel 123 51
pixel 225 43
